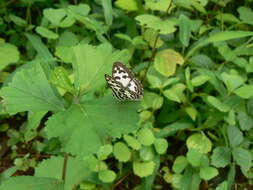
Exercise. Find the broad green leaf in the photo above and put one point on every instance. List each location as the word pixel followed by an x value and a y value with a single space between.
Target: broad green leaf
pixel 44 55
pixel 227 35
pixel 161 26
pixel 87 186
pixel 8 54
pixel 121 152
pixel 190 180
pixel 128 5
pixel 30 91
pixel 143 169
pixel 179 164
pixel 145 136
pixel 199 80
pixel 55 16
pixel 92 62
pixel 18 20
pixel 161 5
pixel 194 157
pixel 151 100
pixel 215 102
pixel 107 176
pixel 60 78
pixel 31 183
pixel 227 17
pixel 221 156
pixel 77 170
pixel 176 93
pixel 176 179
pixel 246 14
pixel 232 81
pixel 108 13
pixel 64 53
pixel 243 158
pixel 235 136
pixel 82 126
pixel 184 30
pixel 80 10
pixel 200 142
pixel 147 153
pixel 104 151
pixel 46 33
pixel 192 112
pixel 208 173
pixel 151 36
pixel 245 121
pixel 245 92
pixel 166 61
pixel 132 142
pixel 161 145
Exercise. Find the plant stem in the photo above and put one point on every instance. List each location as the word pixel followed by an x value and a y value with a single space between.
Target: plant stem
pixel 64 169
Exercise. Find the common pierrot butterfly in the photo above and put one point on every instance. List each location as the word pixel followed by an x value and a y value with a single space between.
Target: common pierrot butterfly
pixel 123 83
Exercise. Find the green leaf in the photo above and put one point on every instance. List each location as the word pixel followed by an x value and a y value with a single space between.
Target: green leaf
pixel 92 62
pixel 243 158
pixel 192 112
pixel 55 16
pixel 46 33
pixel 246 14
pixel 222 186
pixel 227 35
pixel 128 5
pixel 245 92
pixel 52 168
pixel 64 53
pixel 147 153
pixel 132 142
pixel 199 80
pixel 215 102
pixel 227 17
pixel 194 157
pixel 31 183
pixel 221 156
pixel 235 136
pixel 107 176
pixel 121 152
pixel 143 169
pixel 60 78
pixel 245 121
pixel 82 126
pixel 200 142
pixel 184 30
pixel 104 151
pixel 161 5
pixel 232 80
pixel 145 136
pixel 18 20
pixel 108 13
pixel 166 60
pixel 78 10
pixel 151 100
pixel 30 91
pixel 161 26
pixel 208 173
pixel 8 54
pixel 161 145
pixel 179 164
pixel 176 93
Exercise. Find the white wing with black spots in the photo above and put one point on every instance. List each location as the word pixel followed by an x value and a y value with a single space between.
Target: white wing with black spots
pixel 123 83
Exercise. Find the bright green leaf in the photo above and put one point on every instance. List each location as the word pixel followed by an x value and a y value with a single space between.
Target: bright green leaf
pixel 194 157
pixel 55 16
pixel 146 136
pixel 104 151
pixel 161 145
pixel 8 54
pixel 208 173
pixel 245 92
pixel 132 142
pixel 129 5
pixel 218 104
pixel 107 176
pixel 143 169
pixel 245 121
pixel 46 33
pixel 121 152
pixel 147 153
pixel 221 156
pixel 200 142
pixel 179 164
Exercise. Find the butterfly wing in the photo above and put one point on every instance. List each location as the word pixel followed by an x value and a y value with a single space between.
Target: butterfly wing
pixel 123 83
pixel 126 77
pixel 118 90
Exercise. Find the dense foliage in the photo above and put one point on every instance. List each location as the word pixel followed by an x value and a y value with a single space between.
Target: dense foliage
pixel 61 128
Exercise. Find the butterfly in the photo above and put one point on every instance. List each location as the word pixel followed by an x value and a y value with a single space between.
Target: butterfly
pixel 123 83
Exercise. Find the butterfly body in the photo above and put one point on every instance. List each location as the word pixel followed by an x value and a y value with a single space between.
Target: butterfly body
pixel 123 83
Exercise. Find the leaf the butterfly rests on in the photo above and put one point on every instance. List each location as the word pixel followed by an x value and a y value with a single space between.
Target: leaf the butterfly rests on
pixel 123 83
